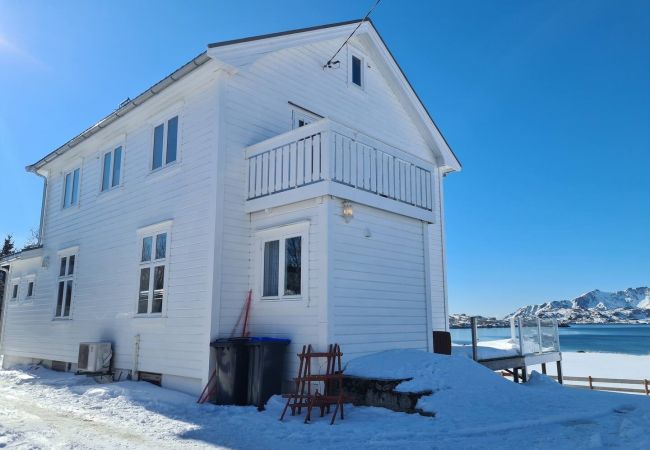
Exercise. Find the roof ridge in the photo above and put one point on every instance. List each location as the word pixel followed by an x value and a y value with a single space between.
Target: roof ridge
pixel 284 33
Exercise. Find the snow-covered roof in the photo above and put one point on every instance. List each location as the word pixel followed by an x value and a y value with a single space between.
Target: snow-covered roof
pixel 31 252
pixel 229 54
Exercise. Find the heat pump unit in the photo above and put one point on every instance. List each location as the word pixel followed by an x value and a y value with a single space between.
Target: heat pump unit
pixel 94 357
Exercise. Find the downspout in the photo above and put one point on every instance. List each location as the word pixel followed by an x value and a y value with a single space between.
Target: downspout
pixel 2 310
pixel 441 210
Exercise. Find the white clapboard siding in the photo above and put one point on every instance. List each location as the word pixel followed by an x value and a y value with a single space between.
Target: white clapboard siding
pixel 104 227
pixel 378 282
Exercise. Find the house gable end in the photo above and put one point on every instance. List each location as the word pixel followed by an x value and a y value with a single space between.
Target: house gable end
pixel 241 54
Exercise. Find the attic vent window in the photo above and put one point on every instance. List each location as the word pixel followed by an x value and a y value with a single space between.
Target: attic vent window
pixel 356 70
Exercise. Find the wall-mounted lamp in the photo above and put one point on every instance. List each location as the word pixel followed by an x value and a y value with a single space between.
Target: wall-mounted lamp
pixel 348 213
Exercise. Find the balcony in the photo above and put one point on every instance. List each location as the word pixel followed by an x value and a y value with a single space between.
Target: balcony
pixel 327 158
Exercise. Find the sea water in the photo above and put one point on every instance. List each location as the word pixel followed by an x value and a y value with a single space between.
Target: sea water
pixel 610 338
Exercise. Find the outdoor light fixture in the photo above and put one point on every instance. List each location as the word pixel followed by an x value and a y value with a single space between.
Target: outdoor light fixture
pixel 348 213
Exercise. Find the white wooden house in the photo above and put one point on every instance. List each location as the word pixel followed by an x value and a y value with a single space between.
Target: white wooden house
pixel 250 167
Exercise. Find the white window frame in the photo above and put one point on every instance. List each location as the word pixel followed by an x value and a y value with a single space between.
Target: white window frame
pixel 30 279
pixel 165 123
pixel 282 233
pixel 14 287
pixel 142 233
pixel 298 114
pixel 112 169
pixel 362 57
pixel 66 253
pixel 64 186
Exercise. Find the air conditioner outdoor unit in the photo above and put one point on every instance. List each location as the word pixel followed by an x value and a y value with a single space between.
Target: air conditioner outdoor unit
pixel 94 357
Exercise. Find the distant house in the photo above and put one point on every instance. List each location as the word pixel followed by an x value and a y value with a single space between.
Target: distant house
pixel 250 167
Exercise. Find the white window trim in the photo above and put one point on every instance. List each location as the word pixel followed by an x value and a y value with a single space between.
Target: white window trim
pixel 281 233
pixel 14 284
pixel 66 253
pixel 65 173
pixel 153 230
pixel 300 114
pixel 163 120
pixel 29 279
pixel 353 51
pixel 101 168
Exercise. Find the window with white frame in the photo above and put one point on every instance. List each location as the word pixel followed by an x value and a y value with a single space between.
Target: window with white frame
pixel 282 262
pixel 301 118
pixel 111 169
pixel 356 67
pixel 71 188
pixel 29 287
pixel 65 284
pixel 152 280
pixel 165 143
pixel 14 289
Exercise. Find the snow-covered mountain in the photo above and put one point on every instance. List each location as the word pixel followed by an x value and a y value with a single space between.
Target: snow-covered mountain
pixel 465 321
pixel 629 306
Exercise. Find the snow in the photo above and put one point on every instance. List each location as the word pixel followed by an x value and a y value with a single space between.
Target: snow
pixel 475 409
pixel 499 348
pixel 605 365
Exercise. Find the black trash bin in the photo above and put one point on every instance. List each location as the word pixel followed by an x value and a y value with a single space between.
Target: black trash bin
pixel 232 371
pixel 267 358
pixel 442 342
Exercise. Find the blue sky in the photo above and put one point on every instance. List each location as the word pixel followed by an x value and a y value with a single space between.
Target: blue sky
pixel 546 103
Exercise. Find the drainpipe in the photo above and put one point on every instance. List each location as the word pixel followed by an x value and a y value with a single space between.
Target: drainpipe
pixel 3 306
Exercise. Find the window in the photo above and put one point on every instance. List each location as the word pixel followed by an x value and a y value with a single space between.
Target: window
pixel 301 118
pixel 152 271
pixel 111 169
pixel 65 285
pixel 282 262
pixel 356 70
pixel 165 143
pixel 71 188
pixel 14 291
pixel 30 289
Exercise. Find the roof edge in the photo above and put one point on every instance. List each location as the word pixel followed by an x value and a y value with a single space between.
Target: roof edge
pixel 25 253
pixel 424 107
pixel 123 109
pixel 284 33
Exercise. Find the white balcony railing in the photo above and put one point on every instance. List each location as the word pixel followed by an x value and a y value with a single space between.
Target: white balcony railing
pixel 326 151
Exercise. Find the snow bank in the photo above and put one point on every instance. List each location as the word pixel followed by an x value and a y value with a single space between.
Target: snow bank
pixel 466 392
pixel 475 409
pixel 426 371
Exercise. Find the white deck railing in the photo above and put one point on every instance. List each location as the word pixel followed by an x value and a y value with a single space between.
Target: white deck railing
pixel 326 151
pixel 535 335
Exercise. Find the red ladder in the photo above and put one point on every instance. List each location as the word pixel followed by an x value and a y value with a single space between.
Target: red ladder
pixel 330 384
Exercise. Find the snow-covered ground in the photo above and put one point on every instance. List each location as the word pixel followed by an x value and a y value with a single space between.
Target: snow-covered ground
pixel 500 348
pixel 475 409
pixel 605 365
